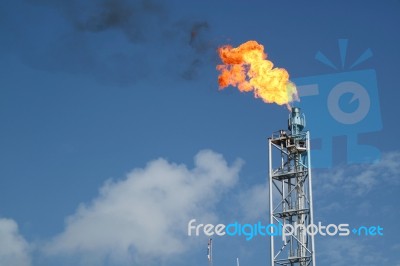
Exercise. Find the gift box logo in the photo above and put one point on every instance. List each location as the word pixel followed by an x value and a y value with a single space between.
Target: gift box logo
pixel 343 103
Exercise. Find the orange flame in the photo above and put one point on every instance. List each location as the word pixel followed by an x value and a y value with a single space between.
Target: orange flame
pixel 247 68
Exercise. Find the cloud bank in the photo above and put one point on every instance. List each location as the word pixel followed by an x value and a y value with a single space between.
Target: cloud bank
pixel 14 249
pixel 145 215
pixel 142 218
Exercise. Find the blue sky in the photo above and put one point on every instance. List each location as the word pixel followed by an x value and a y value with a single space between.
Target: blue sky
pixel 114 133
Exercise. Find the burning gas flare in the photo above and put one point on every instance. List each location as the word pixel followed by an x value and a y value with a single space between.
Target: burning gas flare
pixel 247 68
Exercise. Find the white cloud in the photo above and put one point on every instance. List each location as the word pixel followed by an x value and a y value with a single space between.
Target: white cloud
pixel 358 179
pixel 14 250
pixel 145 215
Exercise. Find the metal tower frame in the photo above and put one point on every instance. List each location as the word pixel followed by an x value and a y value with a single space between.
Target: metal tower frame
pixel 290 193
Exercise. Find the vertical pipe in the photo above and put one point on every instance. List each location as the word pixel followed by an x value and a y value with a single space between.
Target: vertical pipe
pixel 310 196
pixel 271 219
pixel 209 252
pixel 211 247
pixel 284 207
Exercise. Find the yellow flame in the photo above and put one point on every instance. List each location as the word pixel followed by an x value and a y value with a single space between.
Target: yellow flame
pixel 247 68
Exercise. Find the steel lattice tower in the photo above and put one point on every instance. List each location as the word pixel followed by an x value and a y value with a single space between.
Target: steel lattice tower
pixel 290 193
